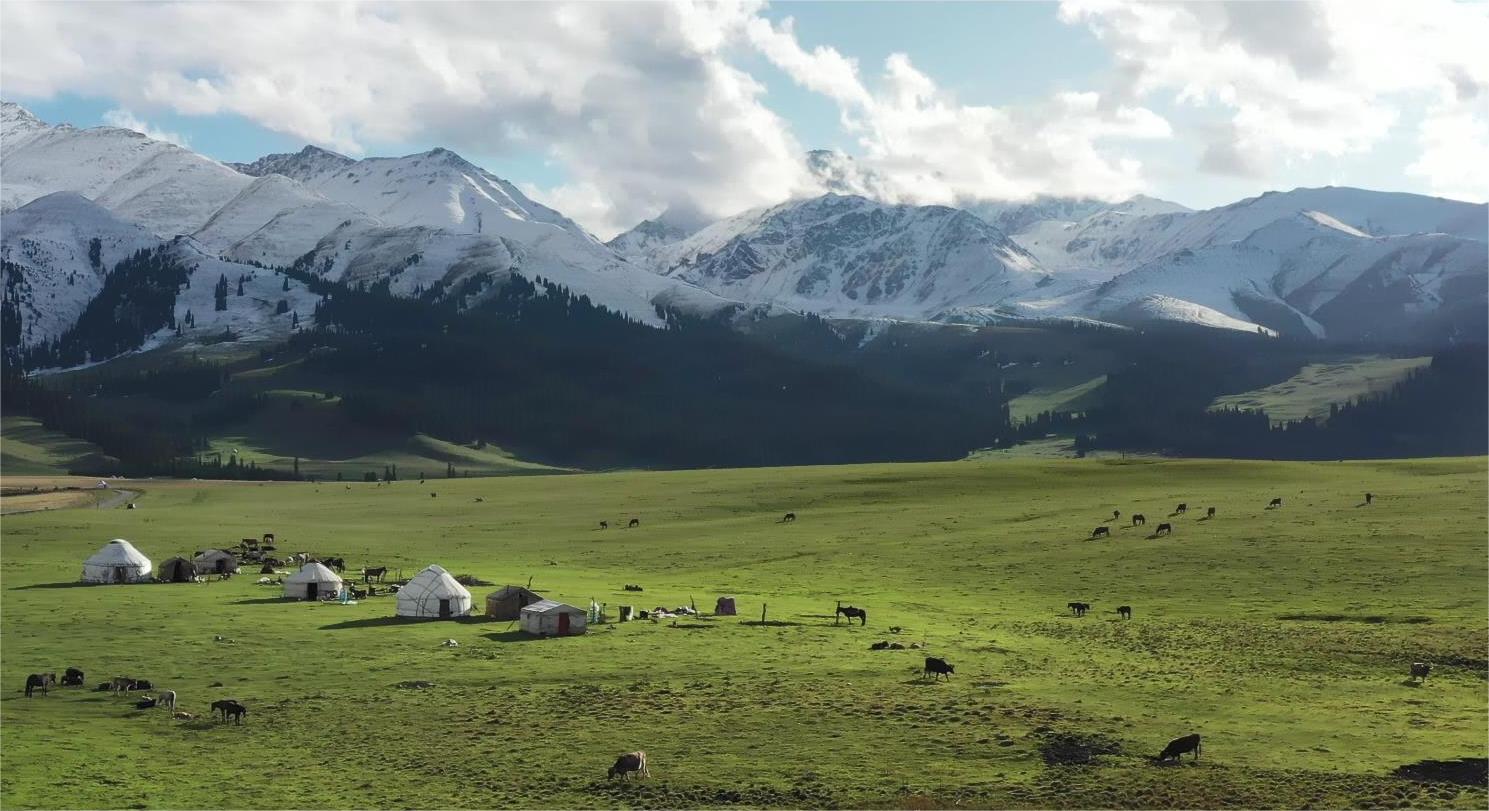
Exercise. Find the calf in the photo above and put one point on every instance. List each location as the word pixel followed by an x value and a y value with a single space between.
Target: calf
pixel 628 763
pixel 1179 746
pixel 1420 671
pixel 1163 529
pixel 1101 532
pixel 936 668
pixel 1124 611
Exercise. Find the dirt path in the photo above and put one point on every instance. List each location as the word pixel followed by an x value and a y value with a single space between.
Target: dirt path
pixel 66 499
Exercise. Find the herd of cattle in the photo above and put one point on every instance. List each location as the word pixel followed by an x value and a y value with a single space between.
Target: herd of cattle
pixel 123 685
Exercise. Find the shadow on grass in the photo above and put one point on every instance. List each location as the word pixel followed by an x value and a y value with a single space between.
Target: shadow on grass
pixel 377 622
pixel 774 624
pixel 266 601
pixel 512 636
pixel 73 584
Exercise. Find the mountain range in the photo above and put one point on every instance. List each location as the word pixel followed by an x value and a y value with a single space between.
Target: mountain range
pixel 1336 263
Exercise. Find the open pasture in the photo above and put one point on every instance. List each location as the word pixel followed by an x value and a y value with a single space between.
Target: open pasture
pixel 1283 636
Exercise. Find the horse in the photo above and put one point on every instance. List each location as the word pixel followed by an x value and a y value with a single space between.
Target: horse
pixel 378 572
pixel 1124 611
pixel 1182 508
pixel 337 565
pixel 1163 529
pixel 850 612
pixel 1276 502
pixel 635 522
pixel 788 518
pixel 1139 518
pixel 1101 532
pixel 121 684
pixel 228 707
pixel 45 681
pixel 1079 609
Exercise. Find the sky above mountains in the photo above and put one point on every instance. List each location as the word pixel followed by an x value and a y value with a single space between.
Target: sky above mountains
pixel 612 112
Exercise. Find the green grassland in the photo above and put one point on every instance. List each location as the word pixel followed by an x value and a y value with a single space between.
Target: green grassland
pixel 28 449
pixel 1057 397
pixel 1311 391
pixel 1283 636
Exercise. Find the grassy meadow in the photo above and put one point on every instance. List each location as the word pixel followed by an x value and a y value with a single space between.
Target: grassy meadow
pixel 1282 636
pixel 1317 386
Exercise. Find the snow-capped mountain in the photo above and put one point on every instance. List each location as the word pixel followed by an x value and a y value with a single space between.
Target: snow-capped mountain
pixel 1017 216
pixel 163 187
pixel 274 221
pixel 58 250
pixel 848 256
pixel 668 227
pixel 308 163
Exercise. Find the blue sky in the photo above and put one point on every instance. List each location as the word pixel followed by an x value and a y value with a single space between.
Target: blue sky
pixel 612 112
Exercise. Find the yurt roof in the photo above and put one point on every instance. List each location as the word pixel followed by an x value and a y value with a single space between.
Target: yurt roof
pixel 213 554
pixel 510 591
pixel 313 572
pixel 118 552
pixel 434 580
pixel 547 606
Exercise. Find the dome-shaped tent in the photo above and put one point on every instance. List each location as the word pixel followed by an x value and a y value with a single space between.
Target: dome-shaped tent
pixel 175 570
pixel 311 582
pixel 117 562
pixel 433 593
pixel 215 561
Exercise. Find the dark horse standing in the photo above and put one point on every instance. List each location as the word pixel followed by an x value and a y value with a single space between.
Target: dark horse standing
pixel 850 612
pixel 45 681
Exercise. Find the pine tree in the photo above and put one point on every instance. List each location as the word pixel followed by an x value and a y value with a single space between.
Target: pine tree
pixel 240 284
pixel 219 294
pixel 286 287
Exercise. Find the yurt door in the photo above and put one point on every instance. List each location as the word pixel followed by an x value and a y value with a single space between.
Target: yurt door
pixel 121 574
pixel 444 608
pixel 563 624
pixel 310 590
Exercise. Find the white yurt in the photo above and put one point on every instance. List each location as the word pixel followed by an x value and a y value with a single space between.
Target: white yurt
pixel 312 582
pixel 433 593
pixel 552 618
pixel 117 562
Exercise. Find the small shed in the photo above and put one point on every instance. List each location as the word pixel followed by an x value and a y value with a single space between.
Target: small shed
pixel 312 582
pixel 215 561
pixel 724 607
pixel 433 592
pixel 175 570
pixel 507 602
pixel 117 562
pixel 552 618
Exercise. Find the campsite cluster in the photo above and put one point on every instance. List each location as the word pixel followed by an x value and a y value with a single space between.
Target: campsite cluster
pixel 433 593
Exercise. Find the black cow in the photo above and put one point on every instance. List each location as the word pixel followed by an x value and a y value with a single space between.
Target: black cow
pixel 72 678
pixel 1182 508
pixel 1163 529
pixel 936 668
pixel 628 763
pixel 1276 502
pixel 143 684
pixel 635 522
pixel 1179 746
pixel 1101 532
pixel 1139 518
pixel 1124 611
pixel 1210 512
pixel 604 525
pixel 789 517
pixel 1369 498
pixel 1420 671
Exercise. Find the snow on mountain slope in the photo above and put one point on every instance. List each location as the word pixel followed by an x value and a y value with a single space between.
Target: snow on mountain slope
pixel 167 189
pixel 1291 275
pixel 1015 216
pixel 853 257
pixel 253 317
pixel 305 165
pixel 274 221
pixel 54 269
pixel 649 235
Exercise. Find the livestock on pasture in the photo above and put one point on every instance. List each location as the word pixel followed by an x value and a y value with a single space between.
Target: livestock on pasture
pixel 604 525
pixel 788 517
pixel 42 681
pixel 1369 498
pixel 1179 746
pixel 229 708
pixel 1116 514
pixel 1420 671
pixel 73 677
pixel 374 573
pixel 1276 502
pixel 851 613
pixel 1139 518
pixel 627 764
pixel 936 668
pixel 167 698
pixel 1163 529
pixel 1209 512
pixel 635 522
pixel 1124 611
pixel 1078 609
pixel 1101 532
pixel 1182 508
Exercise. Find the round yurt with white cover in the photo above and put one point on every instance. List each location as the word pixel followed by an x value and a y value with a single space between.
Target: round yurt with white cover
pixel 312 582
pixel 433 593
pixel 117 562
pixel 215 561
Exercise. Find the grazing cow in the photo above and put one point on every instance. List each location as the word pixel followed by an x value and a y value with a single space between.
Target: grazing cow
pixel 167 698
pixel 182 716
pixel 72 678
pixel 143 684
pixel 633 587
pixel 1178 746
pixel 1164 529
pixel 936 668
pixel 789 517
pixel 1209 512
pixel 434 495
pixel 628 763
pixel 1369 498
pixel 1276 502
pixel 228 707
pixel 1124 611
pixel 267 568
pixel 121 684
pixel 879 646
pixel 635 522
pixel 1182 508
pixel 480 500
pixel 368 575
pixel 1139 518
pixel 45 681
pixel 604 525
pixel 1420 671
pixel 1116 514
pixel 850 612
pixel 145 703
pixel 1101 532
pixel 1079 609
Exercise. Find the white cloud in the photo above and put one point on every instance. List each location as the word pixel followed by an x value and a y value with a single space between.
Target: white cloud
pixel 1289 81
pixel 128 121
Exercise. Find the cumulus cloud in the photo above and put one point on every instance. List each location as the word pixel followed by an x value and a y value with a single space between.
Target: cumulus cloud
pixel 1283 81
pixel 128 121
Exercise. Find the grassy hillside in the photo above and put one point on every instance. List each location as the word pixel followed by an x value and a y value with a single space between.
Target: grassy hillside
pixel 1312 390
pixel 28 449
pixel 1057 397
pixel 1283 636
